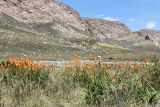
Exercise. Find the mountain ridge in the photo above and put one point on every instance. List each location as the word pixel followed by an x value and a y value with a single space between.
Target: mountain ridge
pixel 46 11
pixel 61 24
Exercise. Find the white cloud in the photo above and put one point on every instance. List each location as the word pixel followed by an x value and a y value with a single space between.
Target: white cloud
pixel 111 18
pixel 131 19
pixel 150 25
pixel 100 16
pixel 103 16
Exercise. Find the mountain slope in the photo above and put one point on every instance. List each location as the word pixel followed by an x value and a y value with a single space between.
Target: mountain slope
pixel 106 29
pixel 152 35
pixel 47 29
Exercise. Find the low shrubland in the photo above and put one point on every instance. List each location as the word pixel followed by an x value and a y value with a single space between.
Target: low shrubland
pixel 24 83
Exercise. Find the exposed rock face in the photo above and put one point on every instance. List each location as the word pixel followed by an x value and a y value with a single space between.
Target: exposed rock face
pixel 106 29
pixel 47 17
pixel 152 35
pixel 40 11
pixel 45 11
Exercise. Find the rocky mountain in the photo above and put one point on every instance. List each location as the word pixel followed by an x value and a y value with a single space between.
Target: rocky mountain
pixel 152 35
pixel 38 13
pixel 49 11
pixel 61 26
pixel 106 29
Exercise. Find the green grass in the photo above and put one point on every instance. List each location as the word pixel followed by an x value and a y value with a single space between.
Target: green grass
pixel 72 87
pixel 111 46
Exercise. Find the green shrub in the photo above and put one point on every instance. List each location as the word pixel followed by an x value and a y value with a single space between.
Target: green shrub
pixel 25 75
pixel 155 76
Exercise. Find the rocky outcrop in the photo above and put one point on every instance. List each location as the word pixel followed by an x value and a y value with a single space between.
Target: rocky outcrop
pixel 151 35
pixel 45 17
pixel 106 29
pixel 40 11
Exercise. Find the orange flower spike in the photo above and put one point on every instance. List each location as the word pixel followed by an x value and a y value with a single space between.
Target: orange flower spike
pixel 94 57
pixel 29 63
pixel 17 63
pixel 94 68
pixel 121 65
pixel 89 66
pixel 84 65
pixel 28 66
pixel 25 66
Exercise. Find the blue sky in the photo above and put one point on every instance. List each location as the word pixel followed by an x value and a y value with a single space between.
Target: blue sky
pixel 136 14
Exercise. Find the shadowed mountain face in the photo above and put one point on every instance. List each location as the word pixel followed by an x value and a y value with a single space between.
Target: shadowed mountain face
pixel 60 26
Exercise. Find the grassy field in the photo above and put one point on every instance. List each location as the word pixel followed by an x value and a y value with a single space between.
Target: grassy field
pixel 27 84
